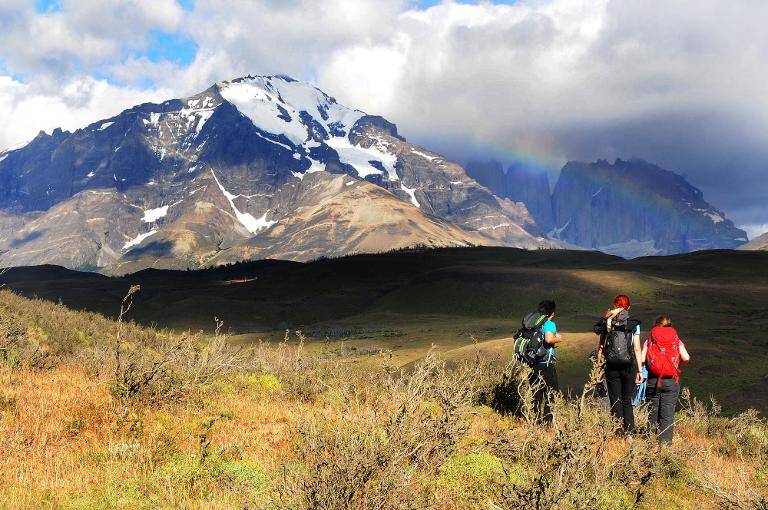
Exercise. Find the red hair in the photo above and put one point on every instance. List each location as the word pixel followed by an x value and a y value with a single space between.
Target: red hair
pixel 621 301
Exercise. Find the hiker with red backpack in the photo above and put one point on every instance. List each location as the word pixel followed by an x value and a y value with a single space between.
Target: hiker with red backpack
pixel 663 353
pixel 621 351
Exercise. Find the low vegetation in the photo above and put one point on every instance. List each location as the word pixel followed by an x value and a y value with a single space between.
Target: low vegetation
pixel 104 414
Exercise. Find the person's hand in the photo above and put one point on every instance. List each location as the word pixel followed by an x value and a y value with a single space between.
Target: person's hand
pixel 639 378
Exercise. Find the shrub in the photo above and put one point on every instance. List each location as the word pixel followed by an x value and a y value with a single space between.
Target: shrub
pixel 574 466
pixel 265 382
pixel 467 481
pixel 377 451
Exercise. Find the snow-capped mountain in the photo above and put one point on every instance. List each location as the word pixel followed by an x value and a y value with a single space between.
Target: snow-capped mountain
pixel 633 208
pixel 256 167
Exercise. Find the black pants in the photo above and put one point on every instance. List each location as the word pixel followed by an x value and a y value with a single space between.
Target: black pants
pixel 548 374
pixel 620 380
pixel 662 401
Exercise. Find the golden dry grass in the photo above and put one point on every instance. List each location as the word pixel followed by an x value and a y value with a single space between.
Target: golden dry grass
pixel 281 418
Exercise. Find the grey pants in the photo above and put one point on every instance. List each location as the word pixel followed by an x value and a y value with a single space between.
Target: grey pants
pixel 662 401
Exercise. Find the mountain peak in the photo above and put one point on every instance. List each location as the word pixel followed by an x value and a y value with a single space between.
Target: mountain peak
pixel 633 207
pixel 254 167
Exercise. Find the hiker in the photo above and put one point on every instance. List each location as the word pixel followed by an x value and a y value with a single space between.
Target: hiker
pixel 662 353
pixel 535 346
pixel 621 352
pixel 544 368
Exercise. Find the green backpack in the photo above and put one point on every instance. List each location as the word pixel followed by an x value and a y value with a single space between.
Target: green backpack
pixel 529 339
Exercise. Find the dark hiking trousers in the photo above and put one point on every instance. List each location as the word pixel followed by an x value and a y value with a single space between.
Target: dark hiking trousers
pixel 620 380
pixel 662 401
pixel 548 374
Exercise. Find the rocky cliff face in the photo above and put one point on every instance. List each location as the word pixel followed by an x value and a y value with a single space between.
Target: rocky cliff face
pixel 633 208
pixel 517 183
pixel 261 166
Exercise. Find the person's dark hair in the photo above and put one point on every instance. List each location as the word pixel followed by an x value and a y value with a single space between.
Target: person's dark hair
pixel 547 307
pixel 663 320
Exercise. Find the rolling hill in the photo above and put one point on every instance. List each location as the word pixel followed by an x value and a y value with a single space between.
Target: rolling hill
pixel 403 302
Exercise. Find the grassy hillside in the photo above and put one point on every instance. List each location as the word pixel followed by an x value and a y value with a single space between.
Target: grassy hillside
pixel 405 302
pixel 98 414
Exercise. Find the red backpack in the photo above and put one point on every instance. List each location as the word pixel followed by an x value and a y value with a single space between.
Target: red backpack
pixel 663 355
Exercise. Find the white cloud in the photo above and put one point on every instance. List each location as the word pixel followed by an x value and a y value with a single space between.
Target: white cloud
pixel 679 83
pixel 755 230
pixel 79 36
pixel 28 109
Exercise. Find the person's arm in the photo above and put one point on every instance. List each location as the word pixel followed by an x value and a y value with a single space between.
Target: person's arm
pixel 601 350
pixel 552 338
pixel 684 353
pixel 612 315
pixel 638 355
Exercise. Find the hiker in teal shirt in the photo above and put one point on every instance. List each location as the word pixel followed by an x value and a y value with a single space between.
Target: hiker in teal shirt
pixel 545 370
pixel 551 328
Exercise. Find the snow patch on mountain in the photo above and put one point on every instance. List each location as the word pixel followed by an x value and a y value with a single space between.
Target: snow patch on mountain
pixel 288 147
pixel 316 166
pixel 139 239
pixel 279 105
pixel 411 193
pixel 323 108
pixel 251 224
pixel 262 223
pixel 714 216
pixel 105 126
pixel 204 115
pixel 266 110
pixel 360 157
pixel 555 233
pixel 424 155
pixel 152 215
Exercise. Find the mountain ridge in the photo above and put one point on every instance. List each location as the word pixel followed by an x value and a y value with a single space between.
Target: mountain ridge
pixel 633 208
pixel 209 178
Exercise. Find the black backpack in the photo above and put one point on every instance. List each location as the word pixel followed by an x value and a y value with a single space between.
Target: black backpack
pixel 529 339
pixel 618 347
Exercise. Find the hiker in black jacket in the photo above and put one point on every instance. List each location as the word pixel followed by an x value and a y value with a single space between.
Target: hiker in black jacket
pixel 621 351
